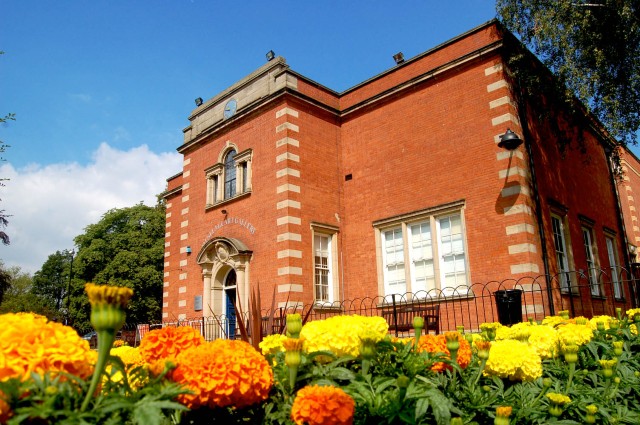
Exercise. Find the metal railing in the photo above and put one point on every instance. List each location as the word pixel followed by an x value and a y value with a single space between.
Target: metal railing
pixel 580 292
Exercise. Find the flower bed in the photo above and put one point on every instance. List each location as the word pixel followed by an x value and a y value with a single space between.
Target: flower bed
pixel 343 370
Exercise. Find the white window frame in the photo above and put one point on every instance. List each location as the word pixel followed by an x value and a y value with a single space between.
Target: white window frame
pixel 216 177
pixel 591 255
pixel 413 260
pixel 614 267
pixel 563 257
pixel 330 233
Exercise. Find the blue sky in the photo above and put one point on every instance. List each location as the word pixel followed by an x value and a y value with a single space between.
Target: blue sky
pixel 102 89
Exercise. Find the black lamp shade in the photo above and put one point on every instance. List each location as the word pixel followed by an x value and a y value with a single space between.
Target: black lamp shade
pixel 510 140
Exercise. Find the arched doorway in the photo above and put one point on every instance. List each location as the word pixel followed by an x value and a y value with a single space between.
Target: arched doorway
pixel 225 272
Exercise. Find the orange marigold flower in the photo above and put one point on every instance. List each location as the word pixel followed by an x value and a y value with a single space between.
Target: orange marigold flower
pixel 223 373
pixel 322 405
pixel 438 344
pixel 31 343
pixel 167 343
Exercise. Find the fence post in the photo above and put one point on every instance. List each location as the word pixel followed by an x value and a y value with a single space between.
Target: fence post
pixel 395 313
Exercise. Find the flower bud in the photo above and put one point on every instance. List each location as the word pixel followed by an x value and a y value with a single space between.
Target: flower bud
pixel 402 381
pixel 547 382
pixel 617 348
pixel 600 325
pixel 294 325
pixel 418 322
pixel 456 421
pixel 453 343
pixel 614 324
pixel 619 313
pixel 483 348
pixel 292 359
pixel 502 415
pixel 460 329
pixel 564 314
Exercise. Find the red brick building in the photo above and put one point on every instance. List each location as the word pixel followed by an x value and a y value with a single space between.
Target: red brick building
pixel 395 185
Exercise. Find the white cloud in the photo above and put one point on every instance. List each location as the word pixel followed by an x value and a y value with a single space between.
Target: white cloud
pixel 50 205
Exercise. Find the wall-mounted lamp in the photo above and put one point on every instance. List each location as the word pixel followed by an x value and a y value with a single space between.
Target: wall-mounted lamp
pixel 188 250
pixel 198 101
pixel 399 58
pixel 270 55
pixel 223 212
pixel 632 249
pixel 510 140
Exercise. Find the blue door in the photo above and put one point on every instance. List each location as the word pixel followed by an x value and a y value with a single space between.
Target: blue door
pixel 230 300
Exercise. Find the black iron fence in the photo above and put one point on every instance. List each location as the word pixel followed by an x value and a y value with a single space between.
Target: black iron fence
pixel 582 293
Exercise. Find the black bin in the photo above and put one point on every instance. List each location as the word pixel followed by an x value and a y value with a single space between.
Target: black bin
pixel 509 304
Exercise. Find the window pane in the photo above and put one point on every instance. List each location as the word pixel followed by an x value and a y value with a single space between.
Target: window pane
pixel 393 258
pixel 452 255
pixel 591 265
pixel 421 253
pixel 322 267
pixel 561 252
pixel 229 175
pixel 613 263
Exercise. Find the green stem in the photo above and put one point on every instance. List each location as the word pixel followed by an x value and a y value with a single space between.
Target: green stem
pixel 293 375
pixel 105 342
pixel 572 370
pixel 483 363
pixel 365 366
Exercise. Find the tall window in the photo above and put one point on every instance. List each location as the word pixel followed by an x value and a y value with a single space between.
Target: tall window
pixel 562 257
pixel 424 253
pixel 423 276
pixel 325 263
pixel 393 254
pixel 229 175
pixel 615 270
pixel 452 253
pixel 322 267
pixel 587 237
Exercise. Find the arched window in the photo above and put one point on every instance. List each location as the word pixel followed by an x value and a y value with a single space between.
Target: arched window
pixel 229 175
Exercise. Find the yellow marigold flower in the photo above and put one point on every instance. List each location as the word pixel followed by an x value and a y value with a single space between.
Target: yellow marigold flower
pixel 223 373
pixel 131 358
pixel 604 319
pixel 119 343
pixel 558 399
pixel 30 343
pixel 272 344
pixel 167 343
pixel 591 409
pixel 106 294
pixel 544 340
pixel 572 333
pixel 490 326
pixel 553 321
pixel 514 360
pixel 341 334
pixel 322 405
pixel 632 313
pixel 438 344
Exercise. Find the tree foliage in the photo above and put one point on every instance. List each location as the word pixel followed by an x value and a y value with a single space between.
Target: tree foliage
pixel 125 248
pixel 52 280
pixel 19 297
pixel 593 48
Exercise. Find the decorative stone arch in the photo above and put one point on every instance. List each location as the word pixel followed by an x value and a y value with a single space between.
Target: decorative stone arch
pixel 228 146
pixel 217 257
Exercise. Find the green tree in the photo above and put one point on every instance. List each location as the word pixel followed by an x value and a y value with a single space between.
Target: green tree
pixel 592 47
pixel 52 280
pixel 20 298
pixel 125 248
